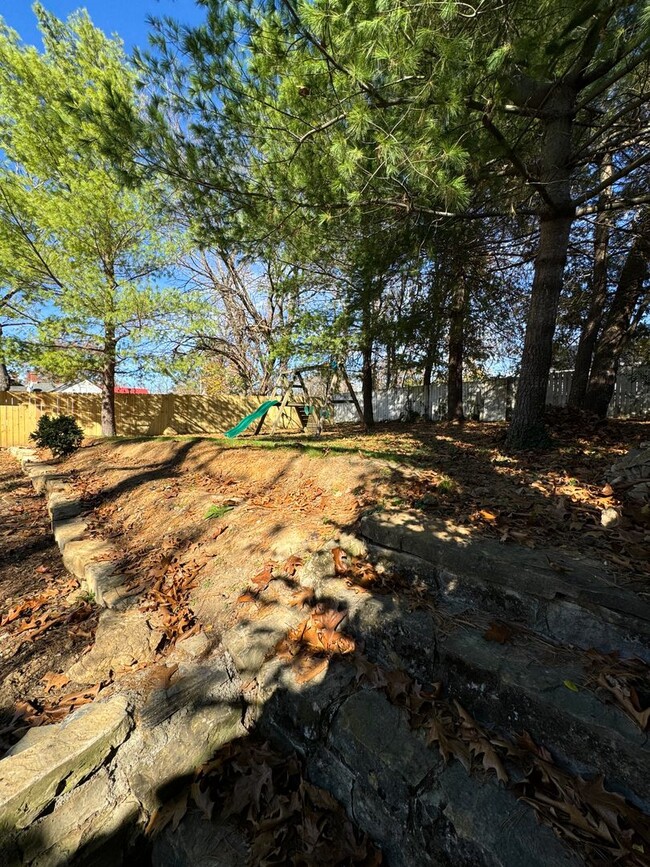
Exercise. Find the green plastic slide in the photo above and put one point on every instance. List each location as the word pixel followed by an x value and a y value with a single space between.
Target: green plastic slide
pixel 243 424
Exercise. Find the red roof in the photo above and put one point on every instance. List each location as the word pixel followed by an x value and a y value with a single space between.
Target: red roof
pixel 123 389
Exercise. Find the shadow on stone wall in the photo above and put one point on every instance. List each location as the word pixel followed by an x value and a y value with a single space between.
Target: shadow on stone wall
pixel 354 736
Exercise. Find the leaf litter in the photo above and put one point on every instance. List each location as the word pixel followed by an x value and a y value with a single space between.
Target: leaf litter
pixel 286 818
pixel 603 825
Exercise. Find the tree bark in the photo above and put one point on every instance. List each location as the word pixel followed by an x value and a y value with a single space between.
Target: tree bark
pixel 4 373
pixel 456 352
pixel 556 218
pixel 617 328
pixel 366 385
pixel 108 382
pixel 426 386
pixel 589 331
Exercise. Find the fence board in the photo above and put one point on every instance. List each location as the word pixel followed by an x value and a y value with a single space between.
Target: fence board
pixel 492 399
pixel 151 414
pixel 135 414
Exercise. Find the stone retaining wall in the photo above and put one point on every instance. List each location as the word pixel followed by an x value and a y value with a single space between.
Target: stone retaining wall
pixel 84 790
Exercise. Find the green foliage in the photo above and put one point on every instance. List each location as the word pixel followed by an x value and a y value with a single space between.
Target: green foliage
pixel 60 434
pixel 81 253
pixel 217 511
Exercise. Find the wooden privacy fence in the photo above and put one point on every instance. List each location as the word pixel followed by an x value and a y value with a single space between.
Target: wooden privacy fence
pixel 135 414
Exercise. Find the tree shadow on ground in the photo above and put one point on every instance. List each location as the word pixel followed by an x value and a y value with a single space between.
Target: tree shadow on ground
pixel 356 738
pixel 358 744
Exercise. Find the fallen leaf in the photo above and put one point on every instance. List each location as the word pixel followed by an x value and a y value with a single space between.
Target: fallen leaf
pixel 248 596
pixel 498 632
pixel 291 564
pixel 487 515
pixel 302 597
pixel 52 680
pixel 170 813
pixel 340 561
pixel 202 799
pixel 263 578
pixel 306 668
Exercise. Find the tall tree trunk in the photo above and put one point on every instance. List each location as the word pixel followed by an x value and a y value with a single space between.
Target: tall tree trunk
pixel 426 386
pixel 389 366
pixel 456 352
pixel 617 327
pixel 598 299
pixel 4 373
pixel 366 385
pixel 556 218
pixel 108 382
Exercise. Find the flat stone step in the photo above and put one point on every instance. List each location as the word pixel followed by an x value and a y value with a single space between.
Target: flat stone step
pixel 30 780
pixel 567 597
pixel 528 687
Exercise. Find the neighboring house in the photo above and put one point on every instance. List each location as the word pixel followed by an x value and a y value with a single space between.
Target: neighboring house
pixel 85 386
pixel 88 387
pixel 35 384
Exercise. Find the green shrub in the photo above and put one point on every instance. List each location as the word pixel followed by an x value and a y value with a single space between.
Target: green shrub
pixel 60 434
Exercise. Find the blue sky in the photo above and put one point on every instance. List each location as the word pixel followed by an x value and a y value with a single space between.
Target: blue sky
pixel 127 18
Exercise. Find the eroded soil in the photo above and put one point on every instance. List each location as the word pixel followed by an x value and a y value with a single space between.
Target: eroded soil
pixel 201 525
pixel 214 514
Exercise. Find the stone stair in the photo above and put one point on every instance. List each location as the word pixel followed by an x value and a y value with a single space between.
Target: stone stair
pixel 359 746
pixel 565 596
pixel 547 609
pixel 357 743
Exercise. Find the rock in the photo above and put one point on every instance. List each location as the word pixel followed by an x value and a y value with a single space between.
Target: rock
pixel 300 712
pixel 373 737
pixel 251 641
pixel 485 816
pixel 194 647
pixel 353 545
pixel 640 491
pixel 119 597
pixel 24 455
pixel 78 555
pixel 180 729
pixel 317 570
pixel 62 505
pixel 373 763
pixel 508 581
pixel 201 843
pixel 57 484
pixel 88 817
pixel 69 530
pixel 39 473
pixel 632 467
pixel 32 736
pixel 610 518
pixel 515 687
pixel 32 779
pixel 170 432
pixel 101 578
pixel 121 640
